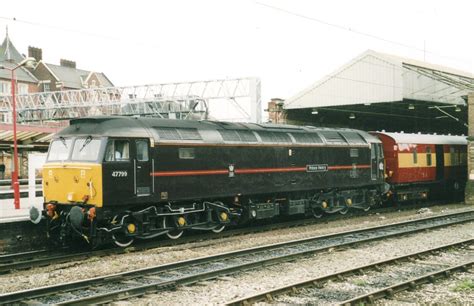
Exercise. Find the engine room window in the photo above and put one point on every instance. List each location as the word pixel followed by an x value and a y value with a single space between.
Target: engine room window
pixel 415 156
pixel 142 150
pixel 428 156
pixel 86 149
pixel 117 150
pixel 59 149
pixel 354 153
pixel 186 153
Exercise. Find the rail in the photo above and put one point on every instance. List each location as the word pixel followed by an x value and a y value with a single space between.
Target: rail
pixel 162 277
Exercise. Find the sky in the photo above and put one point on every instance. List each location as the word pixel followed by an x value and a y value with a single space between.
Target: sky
pixel 288 44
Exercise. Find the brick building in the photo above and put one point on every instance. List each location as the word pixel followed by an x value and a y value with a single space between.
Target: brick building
pixel 45 76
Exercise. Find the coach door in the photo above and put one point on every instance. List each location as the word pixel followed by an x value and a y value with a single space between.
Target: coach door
pixel 439 162
pixel 375 159
pixel 142 165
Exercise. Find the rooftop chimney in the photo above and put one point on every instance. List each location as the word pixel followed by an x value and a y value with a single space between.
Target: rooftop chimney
pixel 37 53
pixel 67 63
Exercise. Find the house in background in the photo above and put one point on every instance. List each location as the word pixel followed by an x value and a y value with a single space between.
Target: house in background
pixel 9 58
pixel 65 76
pixel 45 77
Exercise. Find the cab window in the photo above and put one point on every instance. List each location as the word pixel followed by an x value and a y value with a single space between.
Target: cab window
pixel 59 149
pixel 117 150
pixel 86 149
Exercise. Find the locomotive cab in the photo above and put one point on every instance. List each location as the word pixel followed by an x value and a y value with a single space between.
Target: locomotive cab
pixel 83 172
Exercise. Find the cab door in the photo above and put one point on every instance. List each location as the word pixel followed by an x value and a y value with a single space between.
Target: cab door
pixel 376 159
pixel 142 168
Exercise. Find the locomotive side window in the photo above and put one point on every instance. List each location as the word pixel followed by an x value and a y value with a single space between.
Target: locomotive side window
pixel 59 149
pixel 117 150
pixel 354 153
pixel 415 156
pixel 428 156
pixel 142 150
pixel 186 153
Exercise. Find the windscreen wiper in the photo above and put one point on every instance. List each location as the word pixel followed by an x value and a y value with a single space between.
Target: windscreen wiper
pixel 63 140
pixel 88 140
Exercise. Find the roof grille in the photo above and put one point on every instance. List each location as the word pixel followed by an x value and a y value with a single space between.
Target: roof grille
pixel 353 137
pixel 189 134
pixel 274 137
pixel 229 135
pixel 307 138
pixel 247 136
pixel 333 136
pixel 168 133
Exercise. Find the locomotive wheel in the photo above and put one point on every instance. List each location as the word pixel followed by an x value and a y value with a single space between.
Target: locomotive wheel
pixel 344 210
pixel 317 213
pixel 218 229
pixel 121 240
pixel 174 233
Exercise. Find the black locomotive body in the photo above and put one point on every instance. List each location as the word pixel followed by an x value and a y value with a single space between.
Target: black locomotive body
pixel 124 178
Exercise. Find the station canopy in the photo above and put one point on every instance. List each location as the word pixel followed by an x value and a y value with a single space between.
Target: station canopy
pixel 377 91
pixel 29 137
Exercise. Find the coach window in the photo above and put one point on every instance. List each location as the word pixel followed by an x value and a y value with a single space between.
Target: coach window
pixel 415 156
pixel 142 150
pixel 428 156
pixel 452 152
pixel 117 150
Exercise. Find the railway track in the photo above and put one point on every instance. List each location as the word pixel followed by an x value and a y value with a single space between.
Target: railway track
pixel 314 289
pixel 152 279
pixel 41 258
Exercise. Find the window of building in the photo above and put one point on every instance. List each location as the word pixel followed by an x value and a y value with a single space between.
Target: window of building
pixel 23 89
pixel 186 153
pixel 117 150
pixel 5 88
pixel 142 150
pixel 428 156
pixel 415 156
pixel 46 87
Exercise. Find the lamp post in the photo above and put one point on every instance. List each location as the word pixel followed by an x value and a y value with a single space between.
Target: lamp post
pixel 27 62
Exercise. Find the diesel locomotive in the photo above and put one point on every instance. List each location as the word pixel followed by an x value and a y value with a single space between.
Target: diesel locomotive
pixel 122 178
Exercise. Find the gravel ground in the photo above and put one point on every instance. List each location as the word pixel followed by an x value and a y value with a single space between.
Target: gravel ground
pixel 336 292
pixel 91 267
pixel 457 290
pixel 244 284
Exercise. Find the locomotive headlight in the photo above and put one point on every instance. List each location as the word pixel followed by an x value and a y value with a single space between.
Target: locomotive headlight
pixel 253 213
pixel 223 216
pixel 70 196
pixel 131 228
